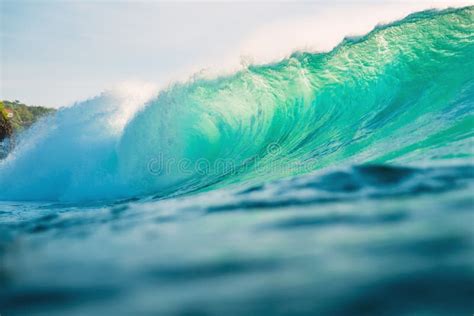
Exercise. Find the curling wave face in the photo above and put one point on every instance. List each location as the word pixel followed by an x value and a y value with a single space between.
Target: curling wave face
pixel 403 94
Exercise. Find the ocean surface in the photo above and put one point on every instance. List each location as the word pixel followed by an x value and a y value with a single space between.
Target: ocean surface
pixel 337 183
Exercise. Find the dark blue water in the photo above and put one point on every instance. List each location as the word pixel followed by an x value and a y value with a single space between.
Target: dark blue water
pixel 368 240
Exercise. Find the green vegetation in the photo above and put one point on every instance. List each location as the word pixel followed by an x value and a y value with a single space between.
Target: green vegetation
pixel 3 112
pixel 6 129
pixel 22 115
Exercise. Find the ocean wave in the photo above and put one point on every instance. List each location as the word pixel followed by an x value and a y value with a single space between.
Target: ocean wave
pixel 402 94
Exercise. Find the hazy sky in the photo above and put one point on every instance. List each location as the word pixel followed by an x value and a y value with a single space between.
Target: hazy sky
pixel 56 52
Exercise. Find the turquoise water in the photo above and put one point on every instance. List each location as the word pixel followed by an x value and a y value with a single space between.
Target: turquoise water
pixel 324 184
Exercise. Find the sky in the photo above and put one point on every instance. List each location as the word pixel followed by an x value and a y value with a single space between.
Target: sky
pixel 54 53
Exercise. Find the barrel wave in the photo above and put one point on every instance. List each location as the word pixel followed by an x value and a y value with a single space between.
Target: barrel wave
pixel 402 94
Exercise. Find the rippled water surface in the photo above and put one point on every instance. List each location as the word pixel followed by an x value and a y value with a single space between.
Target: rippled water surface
pixel 372 240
